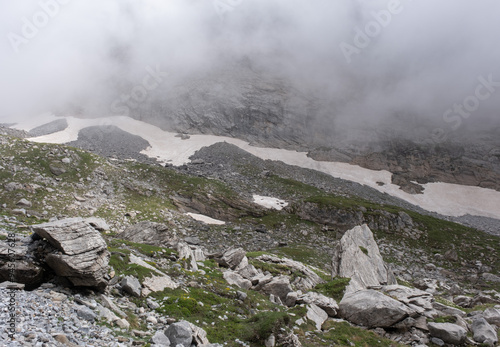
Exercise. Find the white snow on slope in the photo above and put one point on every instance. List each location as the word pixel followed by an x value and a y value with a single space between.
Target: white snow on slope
pixel 445 198
pixel 269 202
pixel 205 219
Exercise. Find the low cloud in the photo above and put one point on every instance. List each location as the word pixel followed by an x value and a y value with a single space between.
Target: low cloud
pixel 408 60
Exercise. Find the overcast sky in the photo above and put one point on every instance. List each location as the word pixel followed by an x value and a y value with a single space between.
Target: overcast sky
pixel 373 58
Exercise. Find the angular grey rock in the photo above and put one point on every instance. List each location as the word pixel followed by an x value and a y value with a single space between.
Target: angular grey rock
pixel 85 313
pixel 372 309
pixel 291 299
pixel 317 315
pixel 492 316
pixel 416 299
pixel 131 285
pixel 279 286
pixel 357 256
pixel 97 223
pixel 248 271
pixel 448 332
pixel 57 170
pixel 327 304
pixel 106 314
pixel 23 202
pixel 484 332
pixel 462 301
pixel 192 240
pixel 185 252
pixel 72 236
pixel 437 341
pixel 490 277
pixel 84 256
pixel 180 333
pixel 234 278
pixel 159 338
pixel 241 295
pixel 307 281
pixel 148 232
pixel 232 258
pixel 199 335
pixel 448 310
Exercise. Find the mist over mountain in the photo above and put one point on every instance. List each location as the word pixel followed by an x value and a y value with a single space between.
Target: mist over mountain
pixel 315 71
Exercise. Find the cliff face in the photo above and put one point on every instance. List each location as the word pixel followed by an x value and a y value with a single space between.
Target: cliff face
pixel 254 106
pixel 267 110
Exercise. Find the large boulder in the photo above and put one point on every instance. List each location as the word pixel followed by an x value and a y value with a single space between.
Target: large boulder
pixel 448 332
pixel 180 333
pixel 83 256
pixel 372 309
pixel 357 257
pixel 484 332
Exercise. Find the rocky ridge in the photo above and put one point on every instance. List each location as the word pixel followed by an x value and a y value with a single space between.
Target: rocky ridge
pixel 158 253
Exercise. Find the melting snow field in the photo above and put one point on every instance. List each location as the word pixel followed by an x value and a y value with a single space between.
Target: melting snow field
pixel 205 219
pixel 444 198
pixel 269 202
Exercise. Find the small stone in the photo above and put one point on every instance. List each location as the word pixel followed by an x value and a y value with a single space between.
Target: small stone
pixel 122 323
pixel 152 320
pixel 86 313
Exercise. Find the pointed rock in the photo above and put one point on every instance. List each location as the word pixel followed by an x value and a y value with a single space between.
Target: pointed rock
pixel 357 257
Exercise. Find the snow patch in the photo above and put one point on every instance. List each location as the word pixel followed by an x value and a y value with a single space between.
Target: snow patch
pixel 269 202
pixel 205 219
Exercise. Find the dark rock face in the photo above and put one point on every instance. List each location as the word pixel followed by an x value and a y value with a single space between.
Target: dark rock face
pixel 448 163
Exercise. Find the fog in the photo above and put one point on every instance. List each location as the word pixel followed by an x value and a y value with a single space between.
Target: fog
pixel 372 61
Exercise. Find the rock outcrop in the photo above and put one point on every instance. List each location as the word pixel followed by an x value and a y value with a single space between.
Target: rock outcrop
pixel 357 257
pixel 81 255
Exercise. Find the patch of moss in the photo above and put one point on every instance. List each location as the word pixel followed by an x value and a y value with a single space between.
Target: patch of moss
pixel 363 249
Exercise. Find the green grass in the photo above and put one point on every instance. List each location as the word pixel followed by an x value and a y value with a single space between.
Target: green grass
pixel 120 263
pixel 444 319
pixel 343 334
pixel 142 248
pixel 363 249
pixel 334 288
